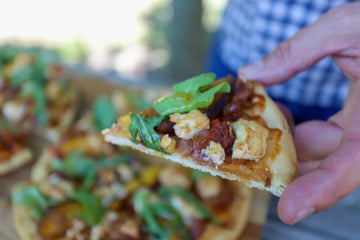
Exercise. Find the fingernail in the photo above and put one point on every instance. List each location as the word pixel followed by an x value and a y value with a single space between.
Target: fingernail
pixel 301 214
pixel 250 71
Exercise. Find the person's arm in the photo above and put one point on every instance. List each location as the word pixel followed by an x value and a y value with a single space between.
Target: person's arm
pixel 329 151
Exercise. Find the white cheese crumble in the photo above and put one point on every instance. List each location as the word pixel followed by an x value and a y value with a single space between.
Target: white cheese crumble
pixel 250 143
pixel 189 124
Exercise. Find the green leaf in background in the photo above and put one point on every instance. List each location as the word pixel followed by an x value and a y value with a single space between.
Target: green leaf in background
pixel 153 212
pixel 21 75
pixel 105 162
pixel 8 53
pixel 196 174
pixel 76 164
pixel 190 94
pixel 141 201
pixel 93 211
pixel 4 124
pixel 37 92
pixel 104 113
pixel 32 199
pixel 203 211
pixel 145 126
pixel 40 64
pixel 137 102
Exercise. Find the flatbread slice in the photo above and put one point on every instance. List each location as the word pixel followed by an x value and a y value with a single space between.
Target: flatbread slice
pixel 238 134
pixel 117 204
pixel 13 153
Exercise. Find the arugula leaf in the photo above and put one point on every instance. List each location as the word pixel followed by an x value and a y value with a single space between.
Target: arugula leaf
pixel 146 128
pixel 76 164
pixel 8 53
pixel 93 211
pixel 104 113
pixel 32 199
pixel 151 212
pixel 197 83
pixel 38 93
pixel 113 161
pixel 40 65
pixel 190 94
pixel 203 211
pixel 196 174
pixel 165 210
pixel 21 75
pixel 5 124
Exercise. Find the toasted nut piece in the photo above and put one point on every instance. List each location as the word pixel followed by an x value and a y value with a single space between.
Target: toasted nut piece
pixel 215 152
pixel 175 176
pixel 168 143
pixel 130 227
pixel 208 186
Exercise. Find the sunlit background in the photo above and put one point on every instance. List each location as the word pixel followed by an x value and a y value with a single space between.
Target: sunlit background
pixel 152 40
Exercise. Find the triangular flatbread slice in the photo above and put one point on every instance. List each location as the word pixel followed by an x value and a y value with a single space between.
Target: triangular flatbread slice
pixel 230 128
pixel 13 152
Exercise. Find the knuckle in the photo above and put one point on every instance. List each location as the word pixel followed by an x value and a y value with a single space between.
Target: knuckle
pixel 283 51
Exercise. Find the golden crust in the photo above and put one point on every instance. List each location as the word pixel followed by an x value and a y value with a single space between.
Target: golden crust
pixel 285 164
pixel 237 213
pixel 19 159
pixel 281 168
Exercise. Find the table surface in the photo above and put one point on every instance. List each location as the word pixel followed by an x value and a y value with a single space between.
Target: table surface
pixel 340 222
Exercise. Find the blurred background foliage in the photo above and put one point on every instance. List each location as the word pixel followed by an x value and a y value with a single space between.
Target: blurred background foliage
pixel 151 40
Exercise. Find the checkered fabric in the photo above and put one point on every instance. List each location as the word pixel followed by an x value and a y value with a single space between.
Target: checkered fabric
pixel 251 29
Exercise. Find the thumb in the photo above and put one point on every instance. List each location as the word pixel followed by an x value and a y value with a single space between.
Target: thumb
pixel 303 50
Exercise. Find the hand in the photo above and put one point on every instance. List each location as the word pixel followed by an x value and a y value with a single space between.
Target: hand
pixel 329 152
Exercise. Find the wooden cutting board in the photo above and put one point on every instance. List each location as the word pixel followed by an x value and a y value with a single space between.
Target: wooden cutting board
pixel 90 87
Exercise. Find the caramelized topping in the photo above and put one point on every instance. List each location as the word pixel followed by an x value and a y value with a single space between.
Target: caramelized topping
pixel 8 145
pixel 58 220
pixel 220 132
pixel 233 110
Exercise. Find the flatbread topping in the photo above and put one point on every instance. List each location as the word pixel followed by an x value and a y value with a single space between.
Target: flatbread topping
pixel 229 128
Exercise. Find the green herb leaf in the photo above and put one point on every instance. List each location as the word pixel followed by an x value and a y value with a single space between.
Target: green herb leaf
pixel 153 212
pixel 146 126
pixel 38 93
pixel 104 113
pixel 8 53
pixel 21 75
pixel 93 211
pixel 5 124
pixel 32 199
pixel 203 211
pixel 141 204
pixel 195 84
pixel 76 164
pixel 190 94
pixel 196 174
pixel 104 162
pixel 167 211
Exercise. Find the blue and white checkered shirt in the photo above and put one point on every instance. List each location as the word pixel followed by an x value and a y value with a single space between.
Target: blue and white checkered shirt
pixel 252 29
